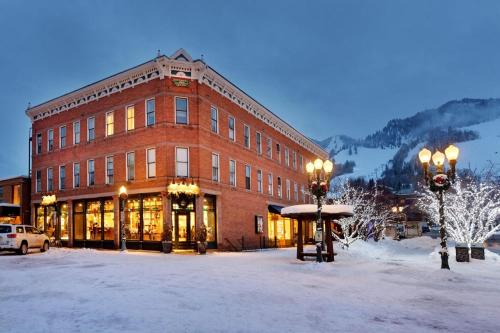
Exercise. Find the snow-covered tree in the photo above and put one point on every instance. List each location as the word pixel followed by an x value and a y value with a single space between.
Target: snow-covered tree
pixel 369 217
pixel 471 210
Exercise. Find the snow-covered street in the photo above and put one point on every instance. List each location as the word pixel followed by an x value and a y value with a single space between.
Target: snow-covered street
pixel 387 287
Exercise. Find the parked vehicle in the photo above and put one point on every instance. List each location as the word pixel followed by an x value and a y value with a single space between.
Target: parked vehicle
pixel 20 238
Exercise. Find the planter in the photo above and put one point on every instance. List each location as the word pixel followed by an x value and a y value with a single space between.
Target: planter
pixel 167 246
pixel 202 247
pixel 477 251
pixel 462 252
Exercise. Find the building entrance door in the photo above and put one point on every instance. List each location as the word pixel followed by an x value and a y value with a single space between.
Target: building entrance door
pixel 184 229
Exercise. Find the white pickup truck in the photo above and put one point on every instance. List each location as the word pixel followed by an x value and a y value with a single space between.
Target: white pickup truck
pixel 20 238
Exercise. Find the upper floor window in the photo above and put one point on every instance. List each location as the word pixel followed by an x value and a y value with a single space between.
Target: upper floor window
pixel 50 140
pixel 76 132
pixel 279 187
pixel 90 173
pixel 39 143
pixel 62 136
pixel 90 128
pixel 38 185
pixel 62 177
pixel 150 112
pixel 110 123
pixel 269 148
pixel 181 162
pixel 248 177
pixel 181 110
pixel 246 136
pixel 130 166
pixel 278 152
pixel 76 175
pixel 50 180
pixel 287 157
pixel 214 119
pixel 231 126
pixel 232 172
pixel 215 167
pixel 130 113
pixel 294 160
pixel 110 170
pixel 303 192
pixel 259 181
pixel 151 161
pixel 288 189
pixel 301 163
pixel 295 191
pixel 270 184
pixel 258 142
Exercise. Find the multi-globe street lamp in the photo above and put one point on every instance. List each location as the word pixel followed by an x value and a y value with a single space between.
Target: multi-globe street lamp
pixel 439 182
pixel 319 173
pixel 123 197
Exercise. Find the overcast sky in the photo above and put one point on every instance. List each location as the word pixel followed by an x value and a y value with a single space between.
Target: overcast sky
pixel 326 67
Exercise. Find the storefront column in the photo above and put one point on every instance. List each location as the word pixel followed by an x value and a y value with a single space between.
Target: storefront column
pixel 167 211
pixel 70 223
pixel 199 210
pixel 33 215
pixel 116 209
pixel 218 217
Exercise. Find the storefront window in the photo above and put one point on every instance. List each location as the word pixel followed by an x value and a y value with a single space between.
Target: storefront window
pixel 51 221
pixel 152 216
pixel 78 219
pixel 40 218
pixel 64 221
pixel 280 227
pixel 109 220
pixel 93 219
pixel 209 217
pixel 133 219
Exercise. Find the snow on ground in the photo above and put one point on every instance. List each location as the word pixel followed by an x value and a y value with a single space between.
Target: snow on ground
pixel 387 287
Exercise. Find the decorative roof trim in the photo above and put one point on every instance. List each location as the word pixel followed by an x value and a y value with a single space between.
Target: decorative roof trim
pixel 159 68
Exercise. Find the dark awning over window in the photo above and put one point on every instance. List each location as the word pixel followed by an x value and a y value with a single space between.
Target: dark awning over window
pixel 7 210
pixel 274 209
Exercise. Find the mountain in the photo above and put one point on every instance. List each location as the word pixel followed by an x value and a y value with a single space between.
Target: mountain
pixel 390 153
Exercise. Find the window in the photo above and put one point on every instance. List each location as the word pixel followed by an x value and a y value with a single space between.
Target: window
pixel 270 184
pixel 50 180
pixel 269 148
pixel 182 162
pixel 294 160
pixel 303 191
pixel 214 119
pixel 181 110
pixel 295 192
pixel 38 176
pixel 279 187
pixel 301 163
pixel 62 136
pixel 288 189
pixel 278 152
pixel 247 177
pixel 215 167
pixel 150 112
pixel 258 142
pixel 231 127
pixel 130 166
pixel 76 132
pixel 246 135
pixel 110 123
pixel 151 162
pixel 90 129
pixel 287 157
pixel 62 177
pixel 76 175
pixel 259 181
pixel 232 172
pixel 110 170
pixel 130 111
pixel 39 143
pixel 50 140
pixel 90 173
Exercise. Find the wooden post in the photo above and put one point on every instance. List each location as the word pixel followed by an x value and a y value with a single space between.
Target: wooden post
pixel 300 243
pixel 329 243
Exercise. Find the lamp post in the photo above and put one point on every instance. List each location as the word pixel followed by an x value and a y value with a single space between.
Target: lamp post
pixel 123 198
pixel 319 182
pixel 439 183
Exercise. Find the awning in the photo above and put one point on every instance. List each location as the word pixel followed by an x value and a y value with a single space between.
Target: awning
pixel 274 209
pixel 9 210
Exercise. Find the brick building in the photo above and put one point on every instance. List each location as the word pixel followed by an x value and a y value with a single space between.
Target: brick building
pixel 167 126
pixel 15 200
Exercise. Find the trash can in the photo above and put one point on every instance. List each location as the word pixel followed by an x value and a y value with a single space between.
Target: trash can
pixel 477 251
pixel 462 252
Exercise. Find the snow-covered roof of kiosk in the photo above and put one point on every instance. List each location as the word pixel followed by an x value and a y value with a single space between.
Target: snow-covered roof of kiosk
pixel 311 209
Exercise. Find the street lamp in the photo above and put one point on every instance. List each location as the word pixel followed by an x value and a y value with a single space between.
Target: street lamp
pixel 438 183
pixel 123 198
pixel 319 182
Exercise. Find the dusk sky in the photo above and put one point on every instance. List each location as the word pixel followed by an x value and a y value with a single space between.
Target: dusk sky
pixel 326 67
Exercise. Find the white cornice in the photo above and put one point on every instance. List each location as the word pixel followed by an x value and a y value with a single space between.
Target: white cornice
pixel 159 68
